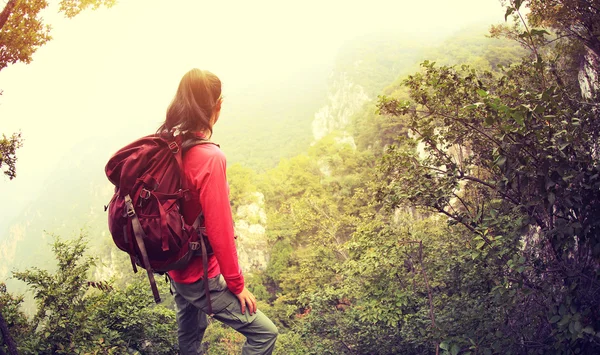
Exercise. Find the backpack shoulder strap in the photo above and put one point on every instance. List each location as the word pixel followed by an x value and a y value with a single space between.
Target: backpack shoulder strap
pixel 188 143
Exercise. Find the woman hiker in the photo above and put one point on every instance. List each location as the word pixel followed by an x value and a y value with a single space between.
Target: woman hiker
pixel 194 111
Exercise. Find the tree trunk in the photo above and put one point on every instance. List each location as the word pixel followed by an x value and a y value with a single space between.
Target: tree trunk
pixel 12 346
pixel 7 11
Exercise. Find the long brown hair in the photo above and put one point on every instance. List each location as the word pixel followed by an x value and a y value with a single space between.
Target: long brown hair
pixel 192 107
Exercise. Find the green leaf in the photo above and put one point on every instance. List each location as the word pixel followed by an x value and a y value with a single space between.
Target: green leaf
pixel 562 310
pixel 589 330
pixel 482 93
pixel 554 319
pixel 455 349
pixel 501 160
pixel 509 11
pixel 518 117
pixel 565 319
pixel 444 346
pixel 535 32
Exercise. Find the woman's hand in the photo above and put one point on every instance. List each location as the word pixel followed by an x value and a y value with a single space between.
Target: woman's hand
pixel 247 299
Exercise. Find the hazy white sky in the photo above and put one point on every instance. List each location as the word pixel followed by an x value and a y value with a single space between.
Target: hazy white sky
pixel 118 68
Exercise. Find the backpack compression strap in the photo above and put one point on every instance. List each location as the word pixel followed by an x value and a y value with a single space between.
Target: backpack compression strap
pixel 139 238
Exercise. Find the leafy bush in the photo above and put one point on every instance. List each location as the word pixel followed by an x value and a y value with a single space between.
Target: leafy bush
pixel 74 318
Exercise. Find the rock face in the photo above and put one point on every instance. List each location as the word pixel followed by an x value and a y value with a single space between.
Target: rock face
pixel 344 99
pixel 252 246
pixel 8 248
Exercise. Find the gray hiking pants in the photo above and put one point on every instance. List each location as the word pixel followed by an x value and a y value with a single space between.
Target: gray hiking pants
pixel 260 332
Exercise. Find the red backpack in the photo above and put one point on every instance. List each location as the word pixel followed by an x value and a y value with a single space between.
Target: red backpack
pixel 144 215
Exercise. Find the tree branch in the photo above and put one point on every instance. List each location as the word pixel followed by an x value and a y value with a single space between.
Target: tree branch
pixel 505 196
pixel 463 203
pixel 8 9
pixel 459 220
pixel 487 184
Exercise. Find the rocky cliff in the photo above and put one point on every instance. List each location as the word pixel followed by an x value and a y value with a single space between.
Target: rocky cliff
pixel 344 99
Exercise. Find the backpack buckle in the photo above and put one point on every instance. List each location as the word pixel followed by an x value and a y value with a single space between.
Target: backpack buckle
pixel 194 246
pixel 145 194
pixel 129 205
pixel 174 147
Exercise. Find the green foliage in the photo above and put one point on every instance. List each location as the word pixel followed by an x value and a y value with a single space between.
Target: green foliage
pixel 504 152
pixel 13 316
pixel 460 216
pixel 222 340
pixel 256 284
pixel 576 19
pixel 242 185
pixel 24 31
pixel 128 316
pixel 8 154
pixel 72 318
pixel 512 159
pixel 291 343
pixel 71 8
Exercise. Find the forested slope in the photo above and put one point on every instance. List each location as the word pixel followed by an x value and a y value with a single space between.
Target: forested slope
pixel 464 222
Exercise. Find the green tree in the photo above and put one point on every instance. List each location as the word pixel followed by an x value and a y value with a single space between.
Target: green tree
pixel 242 185
pixel 13 322
pixel 578 19
pixel 22 32
pixel 8 154
pixel 512 158
pixel 506 152
pixel 75 315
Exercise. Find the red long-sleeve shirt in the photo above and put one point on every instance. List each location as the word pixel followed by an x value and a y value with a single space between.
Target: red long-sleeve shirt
pixel 205 168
